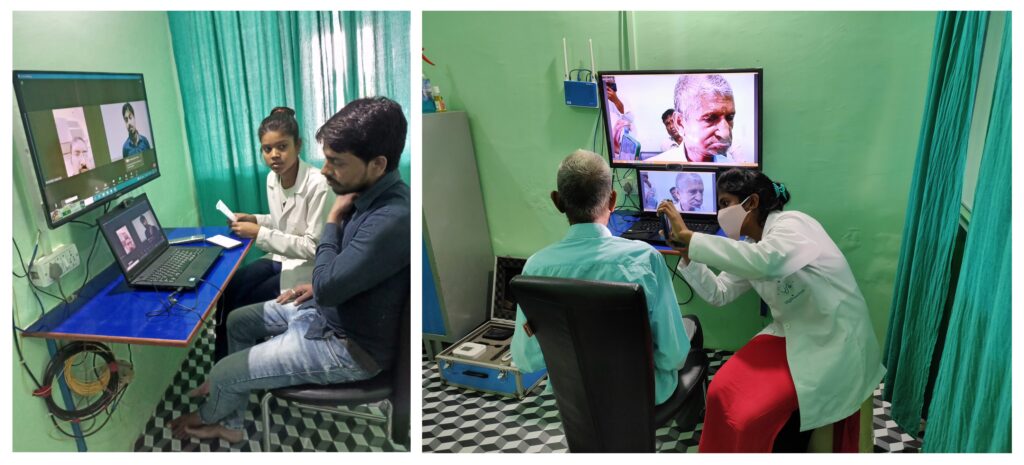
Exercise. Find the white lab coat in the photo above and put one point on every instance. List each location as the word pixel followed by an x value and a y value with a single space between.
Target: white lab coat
pixel 833 354
pixel 292 230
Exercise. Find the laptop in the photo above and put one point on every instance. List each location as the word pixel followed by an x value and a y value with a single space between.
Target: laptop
pixel 141 250
pixel 693 193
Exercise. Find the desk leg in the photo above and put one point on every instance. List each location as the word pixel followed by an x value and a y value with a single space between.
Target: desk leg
pixel 68 401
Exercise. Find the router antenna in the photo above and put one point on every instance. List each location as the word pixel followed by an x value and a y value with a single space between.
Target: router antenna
pixel 565 57
pixel 593 68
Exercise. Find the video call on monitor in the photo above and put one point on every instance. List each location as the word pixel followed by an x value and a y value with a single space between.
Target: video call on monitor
pixel 90 136
pixel 692 192
pixel 690 118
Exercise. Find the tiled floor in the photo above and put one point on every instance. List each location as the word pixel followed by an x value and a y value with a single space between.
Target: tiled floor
pixel 292 430
pixel 454 420
pixel 461 420
pixel 888 436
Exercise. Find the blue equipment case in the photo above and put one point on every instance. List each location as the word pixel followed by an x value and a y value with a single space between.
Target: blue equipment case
pixel 487 372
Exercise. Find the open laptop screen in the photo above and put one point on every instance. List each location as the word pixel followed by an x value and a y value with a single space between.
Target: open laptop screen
pixel 693 192
pixel 134 234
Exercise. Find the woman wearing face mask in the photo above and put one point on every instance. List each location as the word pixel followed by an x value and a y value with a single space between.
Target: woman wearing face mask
pixel 289 234
pixel 818 357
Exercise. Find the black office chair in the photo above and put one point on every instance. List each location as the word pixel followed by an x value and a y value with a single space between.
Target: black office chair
pixel 389 389
pixel 596 340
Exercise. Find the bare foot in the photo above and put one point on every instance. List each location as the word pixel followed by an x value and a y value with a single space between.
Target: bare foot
pixel 216 431
pixel 200 391
pixel 178 425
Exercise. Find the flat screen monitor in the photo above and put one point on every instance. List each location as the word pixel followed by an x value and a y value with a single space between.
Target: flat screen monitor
pixel 692 192
pixel 90 137
pixel 704 118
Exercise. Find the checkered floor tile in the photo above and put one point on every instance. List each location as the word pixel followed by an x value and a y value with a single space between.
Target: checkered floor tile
pixel 888 436
pixel 292 430
pixel 461 420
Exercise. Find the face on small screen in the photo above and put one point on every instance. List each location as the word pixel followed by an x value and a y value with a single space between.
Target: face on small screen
pixel 690 191
pixel 127 243
pixel 690 187
pixel 145 227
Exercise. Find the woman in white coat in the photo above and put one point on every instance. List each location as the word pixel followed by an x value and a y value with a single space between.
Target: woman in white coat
pixel 298 195
pixel 818 357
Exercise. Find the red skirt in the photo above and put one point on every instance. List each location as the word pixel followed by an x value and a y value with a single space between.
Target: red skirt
pixel 751 398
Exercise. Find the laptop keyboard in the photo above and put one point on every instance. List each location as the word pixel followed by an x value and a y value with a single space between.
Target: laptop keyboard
pixel 175 265
pixel 653 226
pixel 646 226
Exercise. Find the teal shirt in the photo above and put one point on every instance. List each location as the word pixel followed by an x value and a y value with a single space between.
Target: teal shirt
pixel 589 251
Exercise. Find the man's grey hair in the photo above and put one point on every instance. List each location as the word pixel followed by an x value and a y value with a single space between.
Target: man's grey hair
pixel 690 87
pixel 584 186
pixel 683 178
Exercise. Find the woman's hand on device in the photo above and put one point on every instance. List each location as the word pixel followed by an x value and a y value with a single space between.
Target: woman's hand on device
pixel 680 233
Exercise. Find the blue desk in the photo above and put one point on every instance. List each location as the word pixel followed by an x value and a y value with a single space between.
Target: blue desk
pixel 109 311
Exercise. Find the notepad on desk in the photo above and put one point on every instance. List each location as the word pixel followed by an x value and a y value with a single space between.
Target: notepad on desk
pixel 223 241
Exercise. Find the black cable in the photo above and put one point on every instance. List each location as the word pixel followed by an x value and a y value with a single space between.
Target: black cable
pixel 627 201
pixel 91 429
pixel 219 289
pixel 675 273
pixel 56 367
pixel 170 302
pixel 167 304
pixel 25 268
pixel 60 289
pixel 21 358
pixel 88 260
pixel 32 286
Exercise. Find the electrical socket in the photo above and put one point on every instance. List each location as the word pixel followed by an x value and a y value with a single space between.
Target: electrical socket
pixel 50 267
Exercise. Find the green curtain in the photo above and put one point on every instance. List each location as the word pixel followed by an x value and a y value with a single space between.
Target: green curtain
pixel 933 212
pixel 379 42
pixel 971 407
pixel 234 67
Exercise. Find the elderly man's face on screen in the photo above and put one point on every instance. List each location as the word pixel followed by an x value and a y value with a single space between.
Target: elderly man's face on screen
pixel 707 126
pixel 691 191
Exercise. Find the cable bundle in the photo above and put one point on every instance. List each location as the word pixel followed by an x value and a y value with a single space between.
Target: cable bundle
pixel 107 384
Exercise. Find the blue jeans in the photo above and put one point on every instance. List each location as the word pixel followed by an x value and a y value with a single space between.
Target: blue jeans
pixel 289 358
pixel 257 282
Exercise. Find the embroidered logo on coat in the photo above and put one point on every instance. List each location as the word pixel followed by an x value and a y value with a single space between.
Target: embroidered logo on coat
pixel 785 288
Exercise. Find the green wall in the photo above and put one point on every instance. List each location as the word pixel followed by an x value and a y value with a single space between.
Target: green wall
pixel 113 42
pixel 843 100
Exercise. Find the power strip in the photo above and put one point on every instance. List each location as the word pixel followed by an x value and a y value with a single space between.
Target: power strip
pixel 50 267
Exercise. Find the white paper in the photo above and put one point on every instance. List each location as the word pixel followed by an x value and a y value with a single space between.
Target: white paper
pixel 223 241
pixel 226 211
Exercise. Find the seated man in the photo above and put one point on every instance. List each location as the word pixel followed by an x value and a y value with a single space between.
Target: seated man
pixel 344 326
pixel 589 251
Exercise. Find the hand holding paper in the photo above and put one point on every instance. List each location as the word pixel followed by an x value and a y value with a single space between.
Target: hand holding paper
pixel 226 211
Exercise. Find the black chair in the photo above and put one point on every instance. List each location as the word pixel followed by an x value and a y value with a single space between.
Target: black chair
pixel 596 340
pixel 390 390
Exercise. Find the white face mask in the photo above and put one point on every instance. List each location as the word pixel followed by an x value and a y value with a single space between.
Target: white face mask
pixel 731 219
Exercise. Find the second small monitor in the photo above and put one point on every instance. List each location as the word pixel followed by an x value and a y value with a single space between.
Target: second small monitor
pixel 692 192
